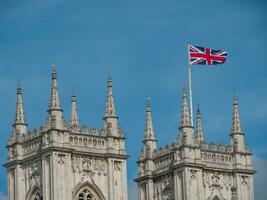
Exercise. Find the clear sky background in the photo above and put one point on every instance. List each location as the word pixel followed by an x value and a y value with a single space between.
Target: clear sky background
pixel 142 43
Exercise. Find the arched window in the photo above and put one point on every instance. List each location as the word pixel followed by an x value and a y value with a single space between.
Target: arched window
pixel 38 196
pixel 85 195
pixel 88 191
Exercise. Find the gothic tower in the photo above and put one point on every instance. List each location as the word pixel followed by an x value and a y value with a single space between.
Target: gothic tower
pixel 191 169
pixel 66 161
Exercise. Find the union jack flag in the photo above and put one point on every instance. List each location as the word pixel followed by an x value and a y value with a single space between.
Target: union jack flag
pixel 205 56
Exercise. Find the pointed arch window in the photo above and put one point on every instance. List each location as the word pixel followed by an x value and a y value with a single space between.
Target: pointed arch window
pixel 37 196
pixel 85 195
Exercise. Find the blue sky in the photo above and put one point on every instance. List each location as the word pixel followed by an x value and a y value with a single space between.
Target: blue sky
pixel 143 45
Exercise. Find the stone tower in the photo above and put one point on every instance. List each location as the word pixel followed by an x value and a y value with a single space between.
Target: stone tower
pixel 191 169
pixel 63 160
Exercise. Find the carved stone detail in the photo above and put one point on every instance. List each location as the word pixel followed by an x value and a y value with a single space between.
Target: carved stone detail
pixel 32 173
pixel 88 165
pixel 117 165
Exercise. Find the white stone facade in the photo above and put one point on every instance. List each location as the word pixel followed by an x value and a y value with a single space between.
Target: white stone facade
pixel 65 161
pixel 190 169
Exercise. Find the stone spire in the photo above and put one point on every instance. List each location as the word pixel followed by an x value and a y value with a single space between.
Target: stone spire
pixel 199 135
pixel 237 135
pixel 149 131
pixel 110 118
pixel 185 128
pixel 150 142
pixel 54 101
pixel 110 107
pixel 19 124
pixel 55 117
pixel 236 126
pixel 74 122
pixel 185 118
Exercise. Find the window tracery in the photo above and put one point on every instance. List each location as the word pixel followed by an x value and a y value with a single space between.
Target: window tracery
pixel 85 195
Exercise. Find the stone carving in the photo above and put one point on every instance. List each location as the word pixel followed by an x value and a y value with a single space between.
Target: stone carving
pixel 216 157
pixel 88 165
pixel 61 159
pixel 216 182
pixel 244 180
pixel 32 173
pixel 141 168
pixel 164 161
pixel 193 174
pixel 87 141
pixel 164 187
pixel 215 179
pixel 117 165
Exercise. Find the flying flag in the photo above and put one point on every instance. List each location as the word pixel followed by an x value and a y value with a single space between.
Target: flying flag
pixel 205 56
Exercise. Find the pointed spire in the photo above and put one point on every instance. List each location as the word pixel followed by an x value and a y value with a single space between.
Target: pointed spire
pixel 110 118
pixel 149 142
pixel 55 117
pixel 236 126
pixel 54 101
pixel 110 107
pixel 74 122
pixel 199 131
pixel 185 118
pixel 19 120
pixel 19 116
pixel 149 131
pixel 237 135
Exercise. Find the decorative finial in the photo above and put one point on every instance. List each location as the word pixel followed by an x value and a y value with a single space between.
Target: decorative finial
pixel 148 104
pixel 110 118
pixel 19 120
pixel 109 80
pixel 110 107
pixel 74 115
pixel 149 131
pixel 185 118
pixel 54 71
pixel 199 135
pixel 73 94
pixel 236 126
pixel 54 101
pixel 237 135
pixel 19 87
pixel 55 116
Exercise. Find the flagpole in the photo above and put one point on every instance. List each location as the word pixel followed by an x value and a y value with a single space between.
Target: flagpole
pixel 190 86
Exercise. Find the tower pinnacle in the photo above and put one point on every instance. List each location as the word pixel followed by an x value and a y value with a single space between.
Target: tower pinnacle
pixel 110 117
pixel 237 135
pixel 185 118
pixel 236 126
pixel 54 101
pixel 74 122
pixel 199 135
pixel 149 142
pixel 110 107
pixel 55 117
pixel 19 120
pixel 149 131
pixel 185 128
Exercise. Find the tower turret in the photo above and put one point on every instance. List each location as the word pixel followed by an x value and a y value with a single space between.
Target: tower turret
pixel 74 122
pixel 110 118
pixel 237 135
pixel 55 115
pixel 150 142
pixel 199 135
pixel 185 128
pixel 19 125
